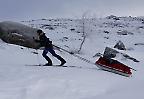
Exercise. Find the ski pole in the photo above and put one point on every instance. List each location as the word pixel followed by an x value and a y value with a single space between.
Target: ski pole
pixel 64 49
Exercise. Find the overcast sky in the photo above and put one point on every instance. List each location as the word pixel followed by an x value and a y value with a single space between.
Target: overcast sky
pixel 36 9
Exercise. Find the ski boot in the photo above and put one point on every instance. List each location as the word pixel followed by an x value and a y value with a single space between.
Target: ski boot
pixel 62 63
pixel 48 64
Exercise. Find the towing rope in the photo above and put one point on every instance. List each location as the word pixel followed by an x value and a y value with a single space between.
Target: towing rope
pixel 75 55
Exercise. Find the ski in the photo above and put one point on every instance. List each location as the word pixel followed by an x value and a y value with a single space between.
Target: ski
pixel 41 65
pixel 65 66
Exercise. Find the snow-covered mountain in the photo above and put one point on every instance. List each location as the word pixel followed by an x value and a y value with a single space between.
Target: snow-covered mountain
pixel 19 80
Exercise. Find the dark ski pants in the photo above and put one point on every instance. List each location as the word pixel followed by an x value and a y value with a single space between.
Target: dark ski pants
pixel 46 50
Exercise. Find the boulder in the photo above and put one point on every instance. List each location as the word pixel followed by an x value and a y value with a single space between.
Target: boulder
pixel 120 45
pixel 19 34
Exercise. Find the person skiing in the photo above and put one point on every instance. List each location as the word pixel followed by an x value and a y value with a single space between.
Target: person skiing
pixel 48 47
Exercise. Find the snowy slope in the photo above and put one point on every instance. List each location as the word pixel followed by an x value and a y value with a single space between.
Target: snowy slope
pixel 20 81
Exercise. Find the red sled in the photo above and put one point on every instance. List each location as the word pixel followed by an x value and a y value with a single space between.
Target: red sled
pixel 114 66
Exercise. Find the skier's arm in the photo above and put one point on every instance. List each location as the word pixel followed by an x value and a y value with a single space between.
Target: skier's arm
pixel 36 40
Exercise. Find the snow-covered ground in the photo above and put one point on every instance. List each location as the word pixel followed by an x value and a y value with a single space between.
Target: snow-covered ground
pixel 20 80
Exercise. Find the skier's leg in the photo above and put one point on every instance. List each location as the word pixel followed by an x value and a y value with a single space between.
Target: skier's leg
pixel 46 57
pixel 57 56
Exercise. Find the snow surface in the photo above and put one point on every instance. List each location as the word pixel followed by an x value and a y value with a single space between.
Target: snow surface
pixel 20 80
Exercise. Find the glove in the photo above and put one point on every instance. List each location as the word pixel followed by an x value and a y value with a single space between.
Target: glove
pixel 37 41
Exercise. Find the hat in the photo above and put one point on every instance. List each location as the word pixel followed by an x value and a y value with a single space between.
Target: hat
pixel 39 31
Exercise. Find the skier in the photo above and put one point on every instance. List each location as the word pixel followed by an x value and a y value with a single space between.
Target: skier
pixel 45 42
